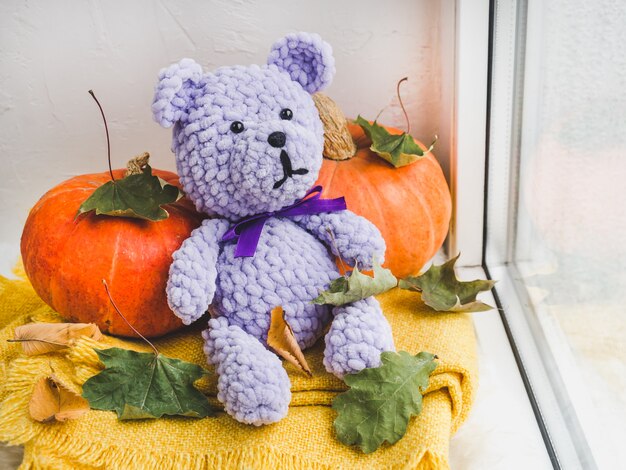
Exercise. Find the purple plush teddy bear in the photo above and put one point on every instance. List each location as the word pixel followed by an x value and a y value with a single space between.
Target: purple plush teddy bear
pixel 248 141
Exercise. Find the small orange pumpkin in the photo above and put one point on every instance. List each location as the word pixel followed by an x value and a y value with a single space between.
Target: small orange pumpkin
pixel 411 205
pixel 66 257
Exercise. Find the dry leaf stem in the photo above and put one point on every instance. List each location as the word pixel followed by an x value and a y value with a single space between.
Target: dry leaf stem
pixel 406 116
pixel 35 339
pixel 106 129
pixel 106 288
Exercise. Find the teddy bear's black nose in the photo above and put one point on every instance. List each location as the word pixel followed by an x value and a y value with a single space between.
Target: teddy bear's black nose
pixel 277 139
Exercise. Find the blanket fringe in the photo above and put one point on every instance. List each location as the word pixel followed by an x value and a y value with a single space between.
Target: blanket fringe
pixel 94 456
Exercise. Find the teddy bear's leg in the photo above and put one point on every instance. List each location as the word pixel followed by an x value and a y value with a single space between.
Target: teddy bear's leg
pixel 252 384
pixel 357 336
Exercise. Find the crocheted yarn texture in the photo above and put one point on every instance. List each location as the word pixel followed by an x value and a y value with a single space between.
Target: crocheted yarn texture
pixel 249 140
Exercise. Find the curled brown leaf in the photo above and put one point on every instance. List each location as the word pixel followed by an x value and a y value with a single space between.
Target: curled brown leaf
pixel 42 338
pixel 51 401
pixel 281 339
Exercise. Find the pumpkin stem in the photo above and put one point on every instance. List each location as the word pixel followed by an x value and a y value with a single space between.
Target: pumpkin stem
pixel 106 288
pixel 136 165
pixel 338 143
pixel 406 116
pixel 106 129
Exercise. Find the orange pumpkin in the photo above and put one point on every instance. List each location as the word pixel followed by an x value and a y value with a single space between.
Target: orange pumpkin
pixel 411 205
pixel 66 258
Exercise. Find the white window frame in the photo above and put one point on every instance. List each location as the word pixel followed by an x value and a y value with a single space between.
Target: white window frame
pixel 467 137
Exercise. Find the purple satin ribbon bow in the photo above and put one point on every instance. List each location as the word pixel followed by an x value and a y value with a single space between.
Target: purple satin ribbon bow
pixel 248 231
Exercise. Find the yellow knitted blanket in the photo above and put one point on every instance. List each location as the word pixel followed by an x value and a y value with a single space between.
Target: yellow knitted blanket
pixel 304 439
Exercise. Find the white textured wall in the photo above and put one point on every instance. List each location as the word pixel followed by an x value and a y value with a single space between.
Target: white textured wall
pixel 51 53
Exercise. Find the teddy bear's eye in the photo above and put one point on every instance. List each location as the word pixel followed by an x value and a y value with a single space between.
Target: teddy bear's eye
pixel 286 114
pixel 236 127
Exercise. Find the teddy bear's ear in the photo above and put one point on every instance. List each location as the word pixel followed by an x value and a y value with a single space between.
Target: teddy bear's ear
pixel 172 92
pixel 306 58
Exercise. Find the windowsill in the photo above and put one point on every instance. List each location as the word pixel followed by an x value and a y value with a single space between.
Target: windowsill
pixel 501 431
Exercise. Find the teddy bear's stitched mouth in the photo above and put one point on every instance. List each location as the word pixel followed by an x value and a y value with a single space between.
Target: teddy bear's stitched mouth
pixel 288 170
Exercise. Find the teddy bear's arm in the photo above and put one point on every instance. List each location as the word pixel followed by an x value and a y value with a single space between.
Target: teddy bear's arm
pixel 352 237
pixel 191 284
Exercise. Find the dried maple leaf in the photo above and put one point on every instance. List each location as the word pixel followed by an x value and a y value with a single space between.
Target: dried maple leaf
pixel 442 291
pixel 281 339
pixel 52 401
pixel 399 150
pixel 140 385
pixel 138 196
pixel 42 338
pixel 347 289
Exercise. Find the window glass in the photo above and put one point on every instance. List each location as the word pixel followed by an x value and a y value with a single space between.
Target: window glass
pixel 569 232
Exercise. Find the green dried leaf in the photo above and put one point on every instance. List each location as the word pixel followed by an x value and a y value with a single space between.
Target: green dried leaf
pixel 381 400
pixel 442 291
pixel 146 385
pixel 139 196
pixel 357 286
pixel 399 150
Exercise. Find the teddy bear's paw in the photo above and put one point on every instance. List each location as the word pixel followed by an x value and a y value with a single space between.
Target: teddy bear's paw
pixel 358 335
pixel 252 385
